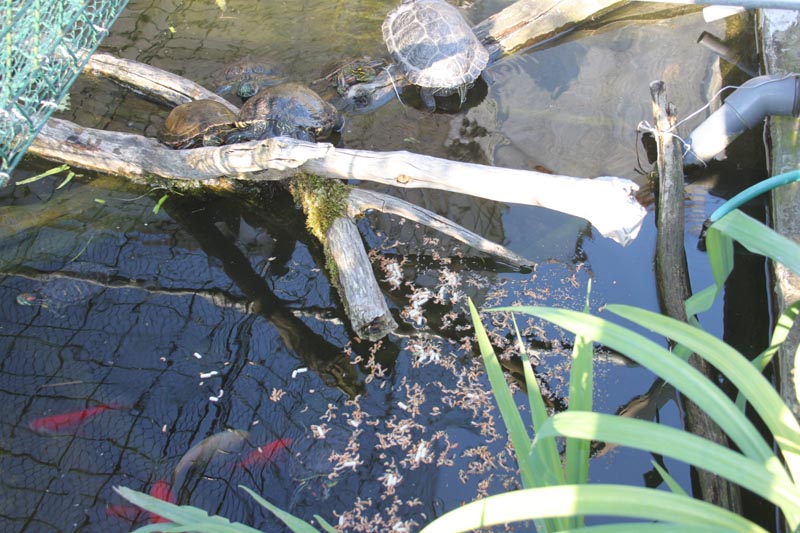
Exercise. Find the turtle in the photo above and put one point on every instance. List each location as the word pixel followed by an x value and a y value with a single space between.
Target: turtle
pixel 246 77
pixel 289 109
pixel 435 48
pixel 362 70
pixel 197 123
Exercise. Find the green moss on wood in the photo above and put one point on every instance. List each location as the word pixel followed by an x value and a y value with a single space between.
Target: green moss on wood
pixel 323 200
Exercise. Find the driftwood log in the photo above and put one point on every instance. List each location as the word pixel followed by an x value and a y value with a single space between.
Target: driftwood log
pixel 672 280
pixel 608 203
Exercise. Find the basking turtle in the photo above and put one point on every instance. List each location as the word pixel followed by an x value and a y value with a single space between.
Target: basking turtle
pixel 289 109
pixel 197 123
pixel 246 77
pixel 362 70
pixel 435 48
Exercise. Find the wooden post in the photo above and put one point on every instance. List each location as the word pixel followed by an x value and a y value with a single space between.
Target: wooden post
pixel 672 278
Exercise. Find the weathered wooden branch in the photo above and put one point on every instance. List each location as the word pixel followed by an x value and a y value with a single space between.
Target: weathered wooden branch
pixel 361 200
pixel 608 203
pixel 672 279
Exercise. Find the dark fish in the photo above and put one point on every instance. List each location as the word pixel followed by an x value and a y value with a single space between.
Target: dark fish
pixel 65 423
pixel 264 453
pixel 200 454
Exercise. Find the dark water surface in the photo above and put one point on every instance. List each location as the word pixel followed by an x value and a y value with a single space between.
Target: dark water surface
pixel 216 313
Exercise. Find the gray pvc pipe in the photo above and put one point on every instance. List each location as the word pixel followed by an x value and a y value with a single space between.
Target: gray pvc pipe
pixel 743 109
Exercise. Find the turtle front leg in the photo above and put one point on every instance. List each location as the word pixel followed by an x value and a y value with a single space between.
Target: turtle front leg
pixel 428 99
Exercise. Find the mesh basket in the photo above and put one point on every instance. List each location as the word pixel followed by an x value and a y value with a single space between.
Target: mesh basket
pixel 43 47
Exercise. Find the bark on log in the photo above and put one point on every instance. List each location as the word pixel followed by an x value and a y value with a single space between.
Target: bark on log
pixel 672 279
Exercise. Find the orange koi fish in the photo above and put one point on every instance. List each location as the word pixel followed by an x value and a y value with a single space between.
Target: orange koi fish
pixel 66 422
pixel 264 453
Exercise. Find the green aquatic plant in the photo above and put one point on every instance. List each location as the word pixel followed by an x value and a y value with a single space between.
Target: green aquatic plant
pixel 556 502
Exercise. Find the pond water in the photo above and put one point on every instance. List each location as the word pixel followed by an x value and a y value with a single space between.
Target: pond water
pixel 129 335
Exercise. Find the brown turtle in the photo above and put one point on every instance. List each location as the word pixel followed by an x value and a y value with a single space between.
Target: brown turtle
pixel 197 123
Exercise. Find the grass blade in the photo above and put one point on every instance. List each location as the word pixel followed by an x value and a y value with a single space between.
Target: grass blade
pixel 183 516
pixel 680 445
pixel 545 458
pixel 580 399
pixel 50 172
pixel 292 522
pixel 505 402
pixel 540 465
pixel 598 500
pixel 669 481
pixel 759 239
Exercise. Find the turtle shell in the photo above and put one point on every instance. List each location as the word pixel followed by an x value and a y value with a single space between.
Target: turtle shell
pixel 289 109
pixel 246 77
pixel 433 44
pixel 197 123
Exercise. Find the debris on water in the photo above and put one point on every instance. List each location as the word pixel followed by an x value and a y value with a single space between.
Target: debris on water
pixel 206 375
pixel 197 355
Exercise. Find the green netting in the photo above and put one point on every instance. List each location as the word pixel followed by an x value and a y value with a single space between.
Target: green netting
pixel 43 47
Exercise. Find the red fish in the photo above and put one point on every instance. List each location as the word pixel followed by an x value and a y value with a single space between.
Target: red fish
pixel 162 491
pixel 66 422
pixel 265 453
pixel 125 512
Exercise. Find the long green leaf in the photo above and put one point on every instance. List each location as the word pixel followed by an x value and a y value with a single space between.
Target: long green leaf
pixel 720 257
pixel 545 460
pixel 184 516
pixel 669 481
pixel 759 239
pixel 782 328
pixel 538 466
pixel 292 522
pixel 646 527
pixel 44 174
pixel 600 500
pixel 505 402
pixel 744 376
pixel 680 445
pixel 580 399
pixel 672 369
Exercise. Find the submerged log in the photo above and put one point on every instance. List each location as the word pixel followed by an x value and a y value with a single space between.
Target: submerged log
pixel 672 280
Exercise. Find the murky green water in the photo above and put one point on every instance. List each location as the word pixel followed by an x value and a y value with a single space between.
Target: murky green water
pixel 216 313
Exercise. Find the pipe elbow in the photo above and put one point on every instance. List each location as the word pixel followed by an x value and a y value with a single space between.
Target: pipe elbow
pixel 743 109
pixel 762 96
